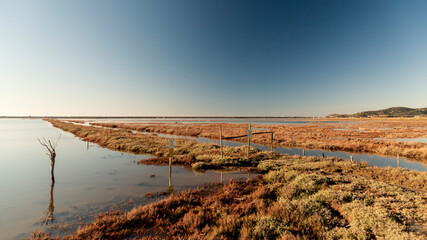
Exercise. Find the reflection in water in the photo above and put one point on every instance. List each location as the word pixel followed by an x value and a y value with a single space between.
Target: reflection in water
pixel 398 162
pixel 170 173
pixel 51 208
pixel 170 188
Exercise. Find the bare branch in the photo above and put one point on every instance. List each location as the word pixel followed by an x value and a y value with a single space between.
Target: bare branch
pixel 56 143
pixel 45 145
pixel 50 146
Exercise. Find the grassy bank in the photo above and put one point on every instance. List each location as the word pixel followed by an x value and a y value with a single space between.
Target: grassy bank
pixel 200 155
pixel 371 136
pixel 295 198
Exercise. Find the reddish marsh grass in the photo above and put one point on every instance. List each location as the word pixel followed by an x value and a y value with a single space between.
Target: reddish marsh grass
pixel 371 136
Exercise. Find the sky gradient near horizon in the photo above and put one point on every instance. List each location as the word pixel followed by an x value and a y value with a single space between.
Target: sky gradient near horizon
pixel 211 58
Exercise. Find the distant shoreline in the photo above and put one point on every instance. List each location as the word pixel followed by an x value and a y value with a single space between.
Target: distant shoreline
pixel 329 118
pixel 152 117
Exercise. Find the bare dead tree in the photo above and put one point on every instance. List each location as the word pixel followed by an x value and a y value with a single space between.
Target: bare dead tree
pixel 51 147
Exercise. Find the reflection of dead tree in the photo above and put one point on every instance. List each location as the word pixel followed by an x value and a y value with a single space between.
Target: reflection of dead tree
pixel 50 146
pixel 49 214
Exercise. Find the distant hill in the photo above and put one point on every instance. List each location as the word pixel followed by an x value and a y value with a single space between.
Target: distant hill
pixel 389 112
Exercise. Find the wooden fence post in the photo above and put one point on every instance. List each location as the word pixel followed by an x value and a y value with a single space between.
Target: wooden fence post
pixel 249 139
pixel 272 141
pixel 171 151
pixel 220 142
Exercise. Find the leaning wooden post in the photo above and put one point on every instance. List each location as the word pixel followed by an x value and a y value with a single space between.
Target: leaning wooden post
pixel 303 152
pixel 272 141
pixel 351 159
pixel 221 179
pixel 323 155
pixel 220 142
pixel 171 143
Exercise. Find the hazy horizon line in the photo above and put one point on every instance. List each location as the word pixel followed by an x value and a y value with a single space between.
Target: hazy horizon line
pixel 158 117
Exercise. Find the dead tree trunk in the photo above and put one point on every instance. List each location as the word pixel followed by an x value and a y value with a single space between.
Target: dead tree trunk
pixel 51 148
pixel 52 166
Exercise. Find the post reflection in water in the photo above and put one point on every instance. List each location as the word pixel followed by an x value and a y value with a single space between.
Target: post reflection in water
pixel 170 188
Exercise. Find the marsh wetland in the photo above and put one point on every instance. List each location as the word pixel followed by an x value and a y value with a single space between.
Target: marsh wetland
pixel 89 179
pixel 119 170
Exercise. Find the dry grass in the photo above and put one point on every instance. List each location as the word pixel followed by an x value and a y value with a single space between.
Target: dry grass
pixel 373 136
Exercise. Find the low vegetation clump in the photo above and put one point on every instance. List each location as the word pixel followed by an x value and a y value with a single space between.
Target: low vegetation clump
pixel 412 180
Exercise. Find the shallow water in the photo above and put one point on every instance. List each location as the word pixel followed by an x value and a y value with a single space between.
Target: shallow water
pixel 88 180
pixel 419 140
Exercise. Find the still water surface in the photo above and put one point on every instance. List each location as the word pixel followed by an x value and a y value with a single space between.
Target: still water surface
pixel 88 180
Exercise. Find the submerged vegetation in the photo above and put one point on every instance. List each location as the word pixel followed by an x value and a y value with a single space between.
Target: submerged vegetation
pixel 294 197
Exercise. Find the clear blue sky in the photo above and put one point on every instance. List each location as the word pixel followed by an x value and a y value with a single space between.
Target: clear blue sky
pixel 215 58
